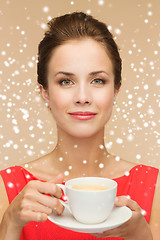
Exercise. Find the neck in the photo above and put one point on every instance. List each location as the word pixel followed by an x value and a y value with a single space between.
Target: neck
pixel 81 156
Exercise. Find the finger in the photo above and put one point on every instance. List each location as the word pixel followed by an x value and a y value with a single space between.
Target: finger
pixel 115 232
pixel 51 203
pixel 58 207
pixel 121 201
pixel 97 235
pixel 102 235
pixel 45 188
pixel 40 217
pixel 37 207
pixel 35 216
pixel 58 179
pixel 38 202
pixel 34 194
pixel 126 201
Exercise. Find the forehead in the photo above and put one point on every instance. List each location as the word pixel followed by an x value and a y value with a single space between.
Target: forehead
pixel 85 53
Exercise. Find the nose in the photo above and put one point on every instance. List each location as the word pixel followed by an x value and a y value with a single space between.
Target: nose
pixel 82 95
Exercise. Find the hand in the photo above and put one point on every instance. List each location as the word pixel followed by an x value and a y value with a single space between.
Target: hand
pixel 135 228
pixel 31 204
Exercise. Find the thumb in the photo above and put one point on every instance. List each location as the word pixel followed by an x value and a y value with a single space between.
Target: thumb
pixel 121 201
pixel 57 179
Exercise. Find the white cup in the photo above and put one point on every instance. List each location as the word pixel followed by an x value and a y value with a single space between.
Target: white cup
pixel 90 206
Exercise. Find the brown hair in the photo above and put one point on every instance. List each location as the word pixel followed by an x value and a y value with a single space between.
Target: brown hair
pixel 77 25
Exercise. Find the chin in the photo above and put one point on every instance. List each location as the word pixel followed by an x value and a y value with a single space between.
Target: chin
pixel 84 134
pixel 81 132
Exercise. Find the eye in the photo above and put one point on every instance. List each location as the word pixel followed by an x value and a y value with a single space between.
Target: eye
pixel 66 82
pixel 98 81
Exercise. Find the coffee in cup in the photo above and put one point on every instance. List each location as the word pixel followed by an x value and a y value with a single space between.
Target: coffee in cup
pixel 89 187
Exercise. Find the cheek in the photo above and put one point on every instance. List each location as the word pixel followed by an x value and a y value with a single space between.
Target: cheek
pixel 59 100
pixel 105 100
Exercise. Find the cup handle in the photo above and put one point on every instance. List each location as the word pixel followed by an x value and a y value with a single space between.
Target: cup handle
pixel 63 199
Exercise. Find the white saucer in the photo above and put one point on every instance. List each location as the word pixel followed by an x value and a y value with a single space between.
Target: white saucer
pixel 118 216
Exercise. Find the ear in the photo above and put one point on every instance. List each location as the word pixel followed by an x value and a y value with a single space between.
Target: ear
pixel 116 91
pixel 44 94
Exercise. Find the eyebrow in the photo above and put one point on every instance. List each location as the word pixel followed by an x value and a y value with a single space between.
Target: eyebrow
pixel 65 73
pixel 97 72
pixel 72 74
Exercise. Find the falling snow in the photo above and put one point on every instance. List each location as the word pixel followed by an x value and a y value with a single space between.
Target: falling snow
pixel 101 2
pixel 126 173
pixel 66 173
pixel 101 146
pixel 138 156
pixel 143 212
pixel 101 165
pixel 117 158
pixel 10 185
pixel 46 9
pixel 8 170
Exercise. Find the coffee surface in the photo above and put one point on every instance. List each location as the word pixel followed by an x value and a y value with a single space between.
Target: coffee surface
pixel 88 187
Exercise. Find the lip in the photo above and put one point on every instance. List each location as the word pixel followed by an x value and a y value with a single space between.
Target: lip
pixel 82 115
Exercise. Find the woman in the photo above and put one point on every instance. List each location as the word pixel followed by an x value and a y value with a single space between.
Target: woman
pixel 79 72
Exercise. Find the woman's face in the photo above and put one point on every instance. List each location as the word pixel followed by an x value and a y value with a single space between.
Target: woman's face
pixel 80 87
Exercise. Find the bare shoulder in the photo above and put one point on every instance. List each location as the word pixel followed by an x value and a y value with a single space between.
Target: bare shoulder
pixel 127 164
pixel 4 202
pixel 155 213
pixel 120 166
pixel 42 168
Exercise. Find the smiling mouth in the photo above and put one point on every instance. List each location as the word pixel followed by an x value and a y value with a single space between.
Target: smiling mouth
pixel 83 115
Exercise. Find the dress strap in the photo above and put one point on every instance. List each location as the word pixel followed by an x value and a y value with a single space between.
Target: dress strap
pixel 15 178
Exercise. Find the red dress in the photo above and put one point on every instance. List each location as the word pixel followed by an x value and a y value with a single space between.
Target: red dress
pixel 139 183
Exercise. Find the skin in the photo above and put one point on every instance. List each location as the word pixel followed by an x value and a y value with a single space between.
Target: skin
pixel 86 84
